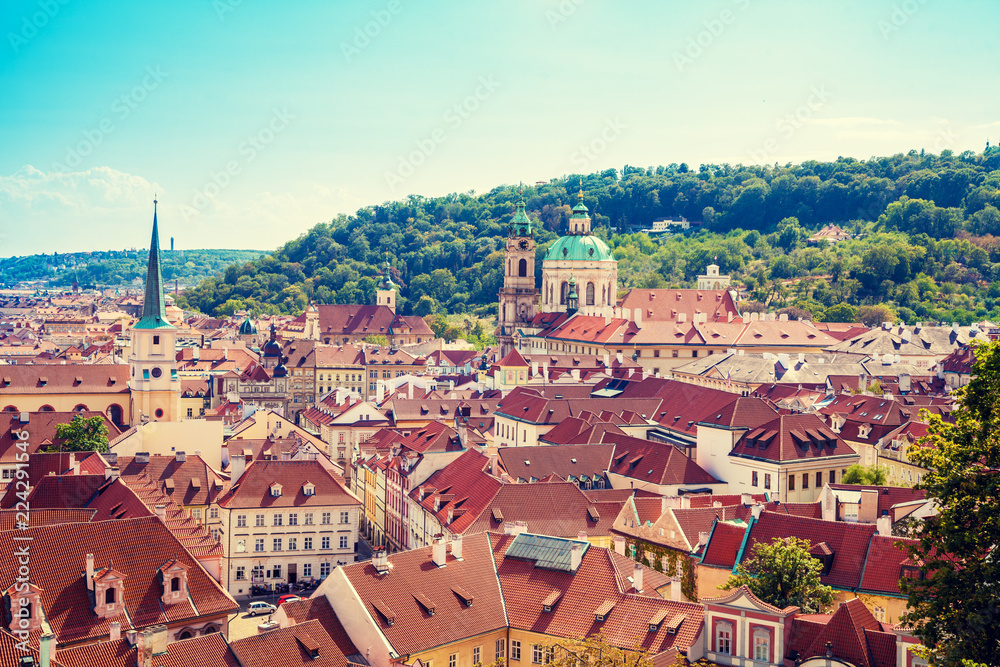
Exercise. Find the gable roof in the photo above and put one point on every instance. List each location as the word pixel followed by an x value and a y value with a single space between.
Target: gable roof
pixel 792 438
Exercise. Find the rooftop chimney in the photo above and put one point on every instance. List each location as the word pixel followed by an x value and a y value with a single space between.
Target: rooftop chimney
pixel 746 499
pixel 46 649
pixel 111 473
pixel 619 545
pixel 438 552
pixel 111 458
pixel 115 631
pixel 237 466
pixel 132 636
pixel 637 577
pixel 180 457
pixel 576 556
pixel 685 502
pixel 142 457
pixel 702 538
pixel 582 535
pixel 675 589
pixel 90 572
pixel 380 560
pixel 161 513
pixel 456 546
pixel 883 525
pixel 756 510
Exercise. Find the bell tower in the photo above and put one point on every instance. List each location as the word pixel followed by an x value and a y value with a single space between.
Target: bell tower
pixel 153 383
pixel 518 296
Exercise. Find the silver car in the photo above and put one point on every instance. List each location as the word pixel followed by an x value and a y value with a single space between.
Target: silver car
pixel 255 608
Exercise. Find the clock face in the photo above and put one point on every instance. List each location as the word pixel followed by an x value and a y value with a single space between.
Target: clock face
pixel 523 245
pixel 157 372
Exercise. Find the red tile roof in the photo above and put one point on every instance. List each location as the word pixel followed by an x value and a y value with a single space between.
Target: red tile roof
pixel 724 545
pixel 559 509
pixel 413 629
pixel 523 463
pixel 41 427
pixel 209 650
pixel 848 541
pixel 285 647
pixel 461 490
pixel 667 304
pixel 253 489
pixel 792 438
pixel 319 609
pixel 655 462
pixel 885 558
pixel 136 547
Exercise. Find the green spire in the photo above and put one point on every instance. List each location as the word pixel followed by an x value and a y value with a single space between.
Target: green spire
pixel 154 312
pixel 520 224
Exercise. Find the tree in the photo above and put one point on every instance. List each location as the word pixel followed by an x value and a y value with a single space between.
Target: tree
pixel 872 316
pixel 376 339
pixel 83 434
pixel 595 651
pixel 840 312
pixel 954 605
pixel 783 573
pixel 868 475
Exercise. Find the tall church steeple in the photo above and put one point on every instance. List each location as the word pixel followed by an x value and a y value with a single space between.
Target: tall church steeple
pixel 154 311
pixel 518 296
pixel 154 385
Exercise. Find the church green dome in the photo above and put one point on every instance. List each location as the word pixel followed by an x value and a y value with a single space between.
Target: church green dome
pixel 579 247
pixel 247 328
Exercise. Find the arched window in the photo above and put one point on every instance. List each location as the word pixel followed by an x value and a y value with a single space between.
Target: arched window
pixel 186 634
pixel 590 294
pixel 11 408
pixel 46 408
pixel 604 296
pixel 563 291
pixel 115 414
pixel 210 629
pixel 109 595
pixel 80 408
pixel 522 268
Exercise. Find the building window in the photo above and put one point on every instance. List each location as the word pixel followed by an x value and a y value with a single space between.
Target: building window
pixel 307 570
pixel 241 520
pixel 325 518
pixel 293 519
pixel 791 482
pixel 833 476
pixel 190 412
pixel 501 648
pixel 277 544
pixel 343 541
pixel 345 517
pixel 308 519
pixel 241 546
pixel 277 572
pixel 723 638
pixel 259 520
pixel 196 514
pixel 324 543
pixel 307 543
pixel 767 480
pixel 324 571
pixel 536 654
pixel 241 572
pixel 590 294
pixel 805 480
pixel 477 655
pixel 674 353
pixel 819 480
pixel 753 478
pixel 761 646
pixel 880 614
pixel 293 544
pixel 453 660
pixel 515 649
pixel 258 545
pixel 213 513
pixel 279 519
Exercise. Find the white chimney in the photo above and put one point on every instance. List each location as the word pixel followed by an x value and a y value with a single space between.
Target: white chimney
pixel 409 389
pixel 685 502
pixel 132 636
pixel 581 535
pixel 675 589
pixel 702 538
pixel 115 631
pixel 545 371
pixel 111 473
pixel 756 510
pixel 637 577
pixel 439 551
pixel 456 546
pixel 534 369
pixel 90 572
pixel 161 513
pixel 607 360
pixel 46 649
pixel 746 499
pixel 638 317
pixel 619 545
pixel 883 525
pixel 575 556
pixel 237 466
pixel 180 457
pixel 520 527
pixel 618 358
pixel 576 374
pixel 717 503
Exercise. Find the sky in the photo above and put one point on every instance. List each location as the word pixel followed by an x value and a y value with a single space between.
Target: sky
pixel 254 121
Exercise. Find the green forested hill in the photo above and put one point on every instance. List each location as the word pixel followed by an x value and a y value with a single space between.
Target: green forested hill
pixel 926 246
pixel 112 268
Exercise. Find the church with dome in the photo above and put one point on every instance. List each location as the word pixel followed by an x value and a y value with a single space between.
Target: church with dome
pixel 579 275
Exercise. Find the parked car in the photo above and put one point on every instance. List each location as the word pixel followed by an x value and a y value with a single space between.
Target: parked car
pixel 259 607
pixel 288 598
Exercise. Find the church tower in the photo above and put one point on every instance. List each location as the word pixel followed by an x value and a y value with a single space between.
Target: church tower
pixel 518 296
pixel 385 295
pixel 154 386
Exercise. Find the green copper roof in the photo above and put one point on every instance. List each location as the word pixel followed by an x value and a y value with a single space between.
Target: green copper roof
pixel 154 311
pixel 579 247
pixel 520 224
pixel 580 211
pixel 247 328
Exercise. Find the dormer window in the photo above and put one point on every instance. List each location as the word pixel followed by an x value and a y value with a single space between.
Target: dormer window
pixel 109 592
pixel 308 489
pixel 173 581
pixel 275 490
pixel 25 606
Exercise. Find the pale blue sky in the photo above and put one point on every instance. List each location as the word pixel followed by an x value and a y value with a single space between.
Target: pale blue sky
pixel 106 102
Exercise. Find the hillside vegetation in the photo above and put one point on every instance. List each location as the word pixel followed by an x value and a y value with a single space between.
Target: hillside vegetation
pixel 926 245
